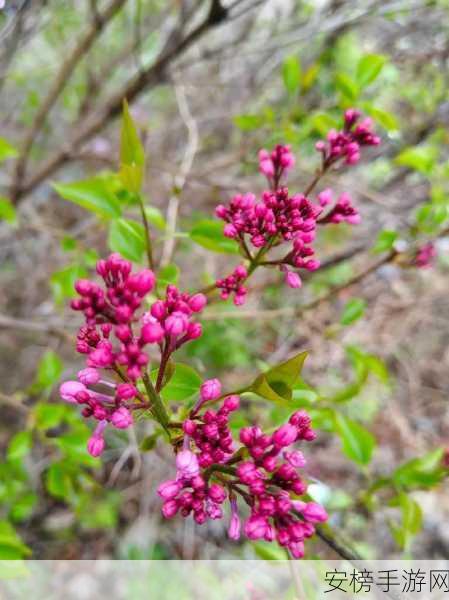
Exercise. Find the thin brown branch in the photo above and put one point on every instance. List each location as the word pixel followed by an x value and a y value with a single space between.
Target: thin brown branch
pixel 141 81
pixel 86 41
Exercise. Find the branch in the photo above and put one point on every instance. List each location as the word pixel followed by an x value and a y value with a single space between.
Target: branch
pixel 112 107
pixel 67 68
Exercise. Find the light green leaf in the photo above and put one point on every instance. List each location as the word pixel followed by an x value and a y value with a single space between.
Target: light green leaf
pixel 369 68
pixel 209 234
pixel 353 311
pixel 322 122
pixel 248 122
pixel 19 446
pixel 127 238
pixel 23 507
pixel 93 194
pixel 423 472
pixel 386 119
pixel 132 155
pixel 58 482
pixel 418 158
pixel 411 520
pixel 346 86
pixel 167 275
pixel 183 384
pixel 11 546
pixel 49 415
pixel 7 211
pixel 291 74
pixel 155 217
pixel 385 241
pixel 358 443
pixel 7 150
pixel 49 370
pixel 276 384
pixel 63 282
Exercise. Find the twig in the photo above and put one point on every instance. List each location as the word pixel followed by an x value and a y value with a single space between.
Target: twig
pixel 94 29
pixel 180 180
pixel 143 80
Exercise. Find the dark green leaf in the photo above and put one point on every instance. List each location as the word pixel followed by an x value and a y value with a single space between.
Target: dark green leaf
pixel 183 385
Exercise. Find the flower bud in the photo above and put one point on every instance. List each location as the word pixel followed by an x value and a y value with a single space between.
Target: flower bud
pixel 126 391
pixel 285 435
pixel 197 302
pixel 169 489
pixel 152 333
pixel 122 418
pixel 95 445
pixel 210 390
pixel 69 389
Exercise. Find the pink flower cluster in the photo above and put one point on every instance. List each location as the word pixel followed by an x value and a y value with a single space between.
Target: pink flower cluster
pixel 346 144
pixel 275 163
pixel 114 309
pixel 115 338
pixel 281 217
pixel 263 471
pixel 425 256
pixel 114 407
pixel 233 284
pixel 342 212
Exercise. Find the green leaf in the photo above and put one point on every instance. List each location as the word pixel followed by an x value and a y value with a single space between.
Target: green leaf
pixel 346 86
pixel 248 122
pixel 93 194
pixel 386 119
pixel 7 150
pixel 7 211
pixel 150 441
pixel 49 370
pixel 155 217
pixel 63 282
pixel 127 238
pixel 58 482
pixel 49 415
pixel 291 74
pixel 385 241
pixel 358 443
pixel 267 551
pixel 369 68
pixel 277 383
pixel 11 546
pixel 322 122
pixel 132 155
pixel 353 310
pixel 411 520
pixel 209 234
pixel 167 275
pixel 183 385
pixel 23 507
pixel 418 158
pixel 423 472
pixel 19 446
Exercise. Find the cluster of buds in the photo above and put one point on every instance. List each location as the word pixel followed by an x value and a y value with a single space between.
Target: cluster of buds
pixel 115 337
pixel 189 493
pixel 425 256
pixel 280 217
pixel 114 310
pixel 114 407
pixel 262 471
pixel 343 210
pixel 233 284
pixel 275 163
pixel 346 144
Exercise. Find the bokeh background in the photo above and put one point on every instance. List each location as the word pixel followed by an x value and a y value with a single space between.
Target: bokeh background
pixel 209 84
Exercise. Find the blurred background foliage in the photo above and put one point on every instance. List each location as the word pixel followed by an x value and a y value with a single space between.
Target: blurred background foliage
pixel 208 85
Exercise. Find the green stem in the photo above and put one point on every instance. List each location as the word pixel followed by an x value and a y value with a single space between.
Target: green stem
pixel 157 405
pixel 148 244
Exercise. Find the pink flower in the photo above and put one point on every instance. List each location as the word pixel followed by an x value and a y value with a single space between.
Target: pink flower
pixel 169 489
pixel 95 446
pixel 89 376
pixel 69 389
pixel 126 391
pixel 256 527
pixel 293 280
pixel 210 390
pixel 176 323
pixel 314 513
pixel 122 418
pixel 187 464
pixel 197 302
pixel 234 525
pixel 285 435
pixel 152 333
